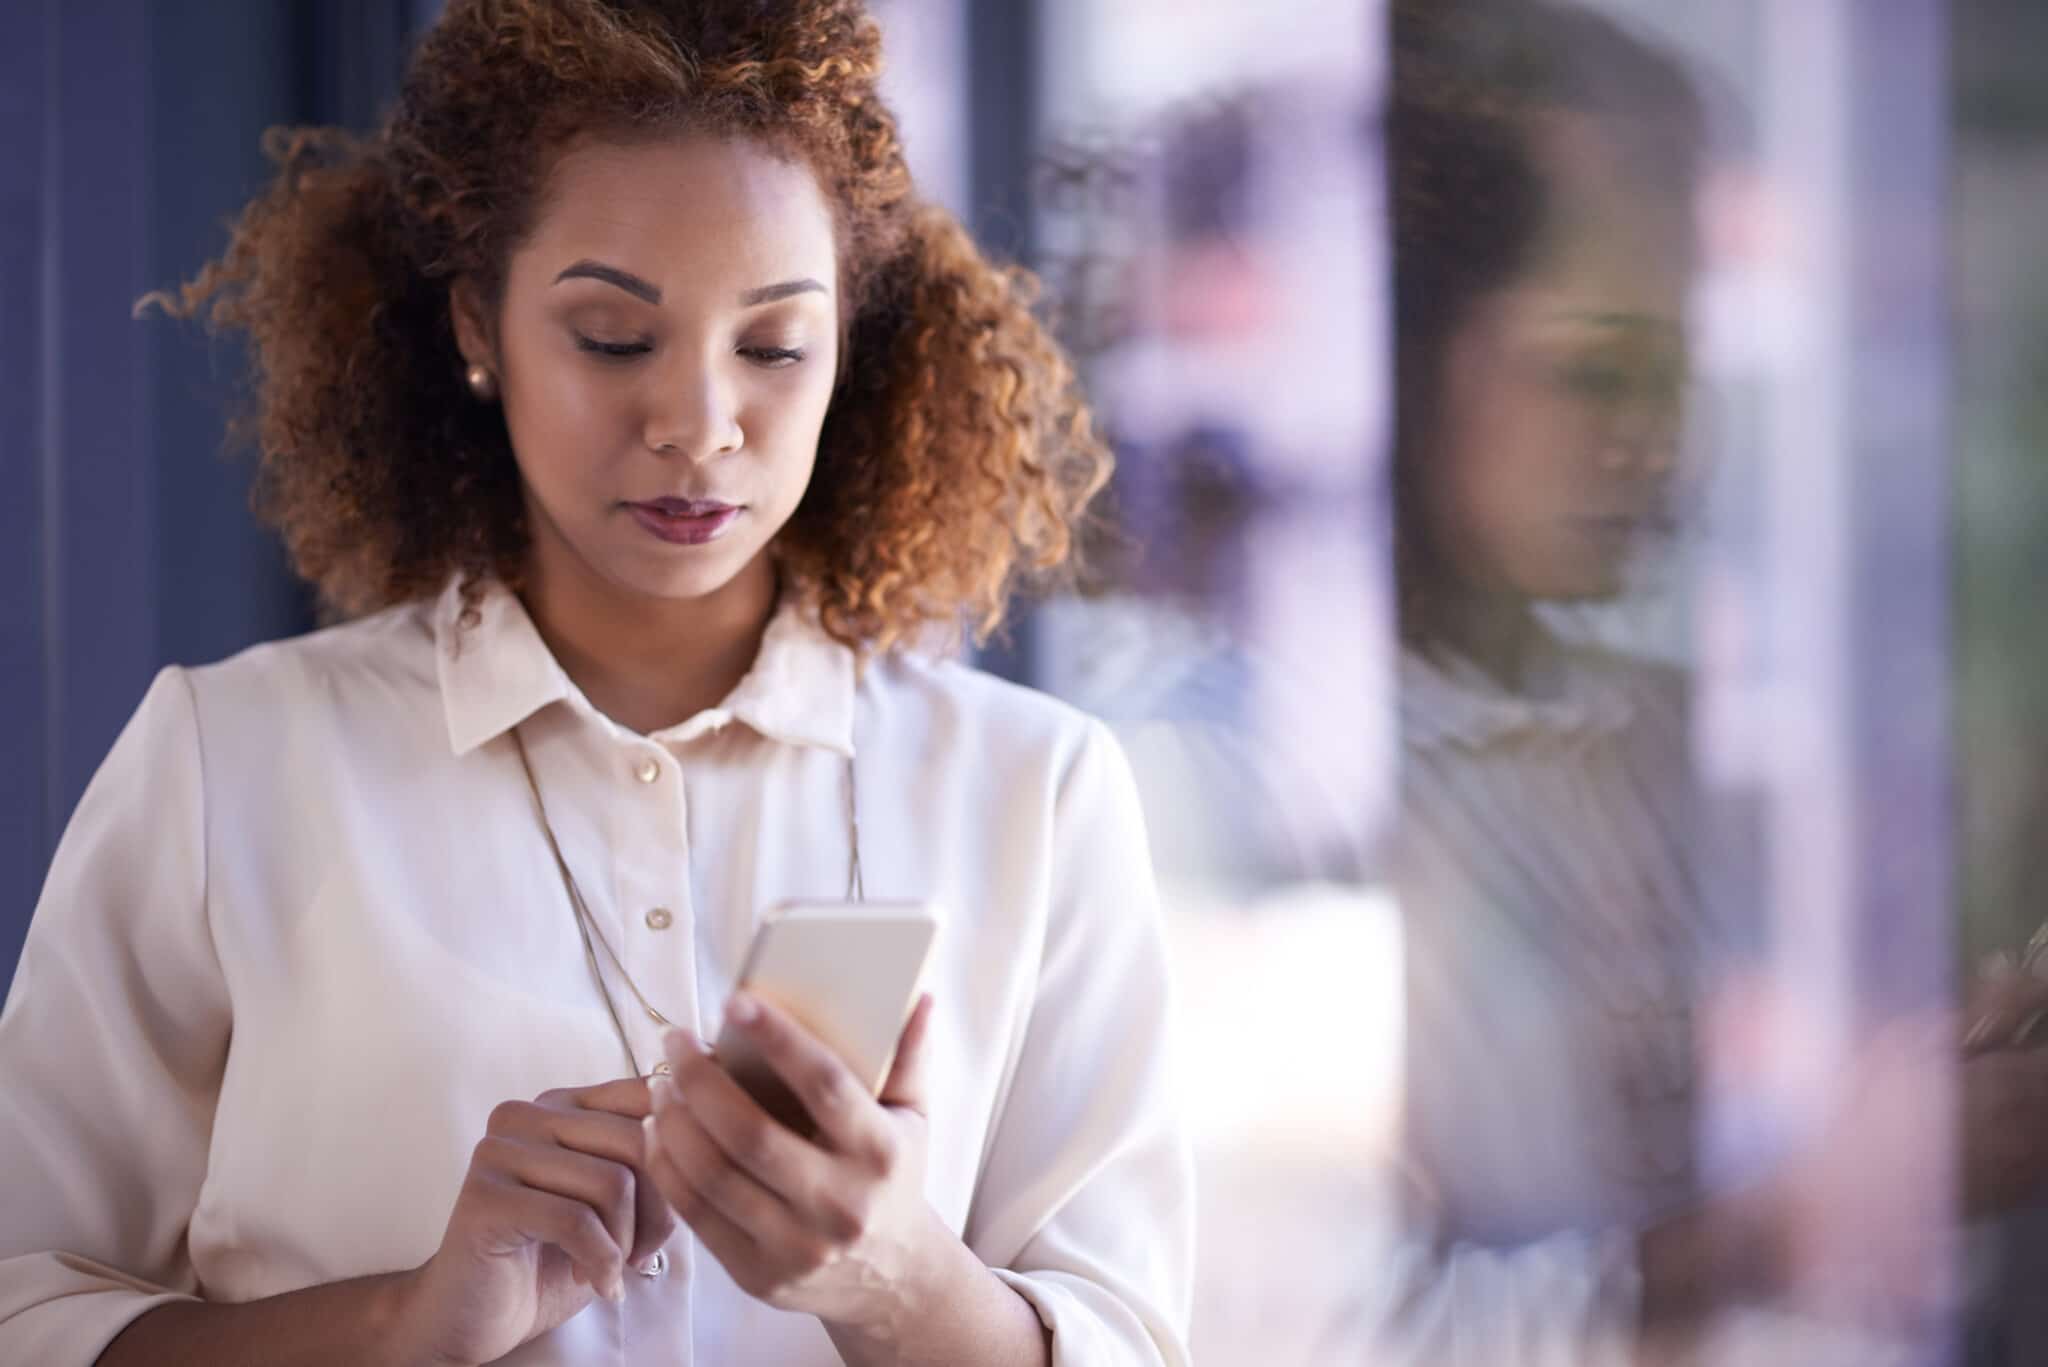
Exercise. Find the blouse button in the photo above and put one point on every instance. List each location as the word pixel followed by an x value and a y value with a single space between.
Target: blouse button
pixel 647 770
pixel 660 919
pixel 656 1265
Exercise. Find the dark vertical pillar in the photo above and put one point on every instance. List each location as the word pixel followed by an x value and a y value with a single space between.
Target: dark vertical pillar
pixel 1003 76
pixel 26 621
pixel 125 536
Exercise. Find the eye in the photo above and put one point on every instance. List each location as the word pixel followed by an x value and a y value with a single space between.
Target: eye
pixel 612 350
pixel 1597 380
pixel 773 357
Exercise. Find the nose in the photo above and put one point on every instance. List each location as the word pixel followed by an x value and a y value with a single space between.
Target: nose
pixel 692 412
pixel 1643 437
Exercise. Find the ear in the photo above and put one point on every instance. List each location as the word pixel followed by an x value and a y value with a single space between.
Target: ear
pixel 473 332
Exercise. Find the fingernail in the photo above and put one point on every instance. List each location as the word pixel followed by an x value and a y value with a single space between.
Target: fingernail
pixel 742 1009
pixel 615 1290
pixel 661 1093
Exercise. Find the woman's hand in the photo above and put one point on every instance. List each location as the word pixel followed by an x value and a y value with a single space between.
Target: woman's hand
pixel 2006 1007
pixel 550 1215
pixel 2004 1138
pixel 836 1226
pixel 1862 1225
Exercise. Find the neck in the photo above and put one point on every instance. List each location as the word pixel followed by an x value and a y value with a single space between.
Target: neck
pixel 1497 632
pixel 649 663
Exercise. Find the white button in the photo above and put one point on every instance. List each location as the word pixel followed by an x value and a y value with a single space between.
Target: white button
pixel 660 919
pixel 647 770
pixel 656 1265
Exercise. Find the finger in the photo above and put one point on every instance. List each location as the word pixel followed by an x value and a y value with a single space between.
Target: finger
pixel 2006 1012
pixel 654 1220
pixel 760 1145
pixel 909 1074
pixel 533 1216
pixel 607 1188
pixel 606 1133
pixel 847 1118
pixel 707 1175
pixel 603 1134
pixel 626 1096
pixel 736 1252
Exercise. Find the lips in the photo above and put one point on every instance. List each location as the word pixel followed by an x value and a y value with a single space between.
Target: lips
pixel 684 521
pixel 686 507
pixel 1647 520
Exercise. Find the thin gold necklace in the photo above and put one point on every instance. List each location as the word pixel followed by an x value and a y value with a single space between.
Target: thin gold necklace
pixel 593 934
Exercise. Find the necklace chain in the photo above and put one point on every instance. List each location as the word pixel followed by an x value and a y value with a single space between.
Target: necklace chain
pixel 593 935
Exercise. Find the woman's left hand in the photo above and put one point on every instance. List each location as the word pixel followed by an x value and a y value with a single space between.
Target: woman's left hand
pixel 835 1226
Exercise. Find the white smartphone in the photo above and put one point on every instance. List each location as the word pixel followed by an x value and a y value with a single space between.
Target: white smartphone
pixel 848 972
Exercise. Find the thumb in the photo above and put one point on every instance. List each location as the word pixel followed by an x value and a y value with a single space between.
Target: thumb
pixel 909 1074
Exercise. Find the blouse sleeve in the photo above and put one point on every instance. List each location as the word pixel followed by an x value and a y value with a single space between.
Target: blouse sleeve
pixel 1434 1297
pixel 1085 1206
pixel 1567 1300
pixel 112 1044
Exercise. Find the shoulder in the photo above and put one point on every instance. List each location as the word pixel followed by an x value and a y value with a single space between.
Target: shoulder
pixel 959 695
pixel 383 659
pixel 951 703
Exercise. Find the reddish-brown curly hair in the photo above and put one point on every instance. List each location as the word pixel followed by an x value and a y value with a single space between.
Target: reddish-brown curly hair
pixel 956 455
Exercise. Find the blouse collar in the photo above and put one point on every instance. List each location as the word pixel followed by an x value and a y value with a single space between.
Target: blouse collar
pixel 1446 700
pixel 496 671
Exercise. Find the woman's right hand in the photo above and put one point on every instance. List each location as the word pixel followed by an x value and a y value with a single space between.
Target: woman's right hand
pixel 1863 1224
pixel 551 1214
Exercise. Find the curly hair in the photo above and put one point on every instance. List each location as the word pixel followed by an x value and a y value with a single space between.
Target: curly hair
pixel 956 457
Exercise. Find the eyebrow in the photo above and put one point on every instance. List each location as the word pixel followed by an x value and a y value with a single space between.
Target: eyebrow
pixel 1623 322
pixel 612 275
pixel 768 294
pixel 643 289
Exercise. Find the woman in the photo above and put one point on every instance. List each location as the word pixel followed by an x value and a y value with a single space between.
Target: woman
pixel 1562 934
pixel 641 416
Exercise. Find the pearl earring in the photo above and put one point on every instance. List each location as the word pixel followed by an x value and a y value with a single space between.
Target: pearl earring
pixel 481 384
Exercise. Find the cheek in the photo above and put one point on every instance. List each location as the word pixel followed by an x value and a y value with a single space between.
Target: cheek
pixel 563 416
pixel 785 422
pixel 1516 450
pixel 1495 481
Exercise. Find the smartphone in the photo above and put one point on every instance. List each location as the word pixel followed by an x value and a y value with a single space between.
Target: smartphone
pixel 848 972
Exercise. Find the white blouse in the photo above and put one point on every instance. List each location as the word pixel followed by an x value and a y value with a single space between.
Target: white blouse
pixel 304 932
pixel 1557 938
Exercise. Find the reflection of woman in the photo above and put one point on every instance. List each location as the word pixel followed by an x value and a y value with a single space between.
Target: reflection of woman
pixel 1541 258
pixel 1559 936
pixel 625 388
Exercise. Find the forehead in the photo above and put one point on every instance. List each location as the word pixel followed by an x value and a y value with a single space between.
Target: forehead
pixel 685 211
pixel 1619 237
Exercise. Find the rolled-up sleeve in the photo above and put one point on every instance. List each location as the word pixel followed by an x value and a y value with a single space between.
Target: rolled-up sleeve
pixel 1086 1204
pixel 112 1043
pixel 1569 1300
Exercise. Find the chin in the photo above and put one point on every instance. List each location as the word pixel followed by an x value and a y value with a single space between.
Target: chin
pixel 1580 584
pixel 677 582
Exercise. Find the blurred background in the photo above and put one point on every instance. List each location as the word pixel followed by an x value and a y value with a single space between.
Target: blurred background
pixel 1857 602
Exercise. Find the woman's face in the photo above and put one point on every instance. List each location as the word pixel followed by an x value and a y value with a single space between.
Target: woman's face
pixel 1555 444
pixel 665 353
